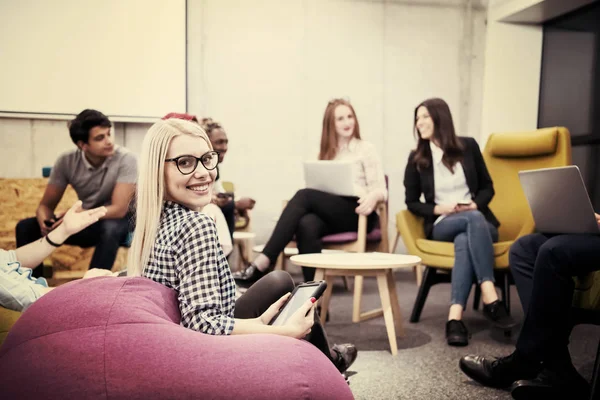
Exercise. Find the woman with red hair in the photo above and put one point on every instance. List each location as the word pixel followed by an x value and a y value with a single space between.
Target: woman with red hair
pixel 312 214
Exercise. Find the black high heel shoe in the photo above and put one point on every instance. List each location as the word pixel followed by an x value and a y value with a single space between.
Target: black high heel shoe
pixel 496 313
pixel 246 277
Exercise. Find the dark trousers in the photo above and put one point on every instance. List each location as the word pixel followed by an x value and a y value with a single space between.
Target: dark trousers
pixel 310 215
pixel 228 211
pixel 106 235
pixel 267 291
pixel 543 267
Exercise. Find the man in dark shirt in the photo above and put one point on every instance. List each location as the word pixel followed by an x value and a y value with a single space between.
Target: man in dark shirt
pixel 543 267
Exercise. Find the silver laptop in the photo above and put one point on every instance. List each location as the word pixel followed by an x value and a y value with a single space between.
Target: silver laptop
pixel 335 177
pixel 558 200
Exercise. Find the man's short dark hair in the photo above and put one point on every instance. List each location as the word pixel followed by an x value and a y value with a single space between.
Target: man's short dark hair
pixel 79 128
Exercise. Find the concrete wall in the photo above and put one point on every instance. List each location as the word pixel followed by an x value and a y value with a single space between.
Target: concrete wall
pixel 266 69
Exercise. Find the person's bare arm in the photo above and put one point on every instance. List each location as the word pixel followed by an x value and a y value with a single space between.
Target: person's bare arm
pixel 121 196
pixel 45 210
pixel 245 203
pixel 74 221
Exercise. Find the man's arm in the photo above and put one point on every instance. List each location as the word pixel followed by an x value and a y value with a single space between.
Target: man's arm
pixel 121 196
pixel 124 189
pixel 45 210
pixel 245 203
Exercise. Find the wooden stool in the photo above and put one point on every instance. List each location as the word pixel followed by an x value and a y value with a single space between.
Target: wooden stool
pixel 243 241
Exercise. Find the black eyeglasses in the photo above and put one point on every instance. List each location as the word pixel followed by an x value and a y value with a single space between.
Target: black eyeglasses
pixel 187 164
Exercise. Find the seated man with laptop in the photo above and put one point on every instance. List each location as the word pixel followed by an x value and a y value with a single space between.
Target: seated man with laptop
pixel 543 265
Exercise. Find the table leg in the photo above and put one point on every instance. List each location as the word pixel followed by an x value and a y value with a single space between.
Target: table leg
pixel 395 303
pixel 280 261
pixel 418 269
pixel 325 299
pixel 358 289
pixel 242 253
pixel 319 274
pixel 388 315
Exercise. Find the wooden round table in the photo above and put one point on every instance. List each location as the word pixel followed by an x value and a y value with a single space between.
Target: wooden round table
pixel 380 265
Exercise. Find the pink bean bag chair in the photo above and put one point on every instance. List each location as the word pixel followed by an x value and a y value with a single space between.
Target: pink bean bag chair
pixel 120 338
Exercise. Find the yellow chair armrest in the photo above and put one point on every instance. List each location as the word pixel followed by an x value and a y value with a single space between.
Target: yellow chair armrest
pixel 527 228
pixel 410 227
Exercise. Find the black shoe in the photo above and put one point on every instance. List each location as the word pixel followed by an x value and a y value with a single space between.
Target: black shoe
pixel 246 277
pixel 456 333
pixel 345 376
pixel 498 372
pixel 549 384
pixel 496 313
pixel 346 355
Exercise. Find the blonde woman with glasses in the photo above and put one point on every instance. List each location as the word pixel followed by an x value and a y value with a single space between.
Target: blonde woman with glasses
pixel 177 246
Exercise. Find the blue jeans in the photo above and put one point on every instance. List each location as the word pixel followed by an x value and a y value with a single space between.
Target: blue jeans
pixel 473 238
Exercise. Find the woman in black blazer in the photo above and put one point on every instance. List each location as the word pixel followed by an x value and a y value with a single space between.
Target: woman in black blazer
pixel 449 171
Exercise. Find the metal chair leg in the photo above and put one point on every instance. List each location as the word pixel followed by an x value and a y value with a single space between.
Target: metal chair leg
pixel 477 297
pixel 429 279
pixel 506 291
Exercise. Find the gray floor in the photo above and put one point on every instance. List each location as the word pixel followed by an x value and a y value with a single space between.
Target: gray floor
pixel 426 367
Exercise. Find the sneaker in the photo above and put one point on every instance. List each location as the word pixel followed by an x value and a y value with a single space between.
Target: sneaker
pixel 499 372
pixel 496 313
pixel 346 355
pixel 246 277
pixel 456 333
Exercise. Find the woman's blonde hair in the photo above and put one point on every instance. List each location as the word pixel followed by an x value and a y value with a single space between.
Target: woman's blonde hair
pixel 150 190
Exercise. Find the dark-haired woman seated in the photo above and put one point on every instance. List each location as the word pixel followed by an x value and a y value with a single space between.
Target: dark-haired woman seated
pixel 451 174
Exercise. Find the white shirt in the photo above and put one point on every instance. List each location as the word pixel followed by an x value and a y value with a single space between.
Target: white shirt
pixel 214 211
pixel 449 187
pixel 368 172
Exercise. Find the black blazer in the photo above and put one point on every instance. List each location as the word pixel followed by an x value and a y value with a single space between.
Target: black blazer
pixel 421 182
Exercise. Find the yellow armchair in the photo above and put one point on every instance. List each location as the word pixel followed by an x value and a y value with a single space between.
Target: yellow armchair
pixel 7 320
pixel 505 154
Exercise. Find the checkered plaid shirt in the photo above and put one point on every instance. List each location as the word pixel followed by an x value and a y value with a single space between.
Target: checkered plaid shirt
pixel 187 257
